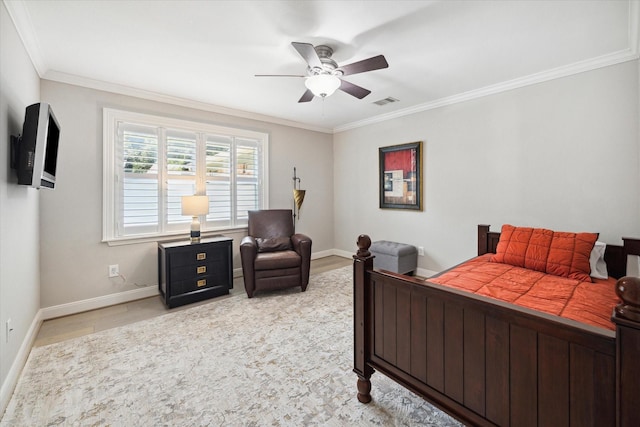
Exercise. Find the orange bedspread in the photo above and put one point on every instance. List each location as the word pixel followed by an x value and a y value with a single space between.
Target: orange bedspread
pixel 590 303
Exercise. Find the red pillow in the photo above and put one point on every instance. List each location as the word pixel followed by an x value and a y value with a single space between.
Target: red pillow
pixel 512 245
pixel 553 252
pixel 523 247
pixel 569 255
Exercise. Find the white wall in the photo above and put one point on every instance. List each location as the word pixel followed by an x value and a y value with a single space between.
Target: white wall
pixel 561 155
pixel 19 266
pixel 74 261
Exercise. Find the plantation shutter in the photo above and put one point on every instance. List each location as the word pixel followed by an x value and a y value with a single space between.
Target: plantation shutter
pixel 139 186
pixel 151 162
pixel 218 179
pixel 181 166
pixel 247 178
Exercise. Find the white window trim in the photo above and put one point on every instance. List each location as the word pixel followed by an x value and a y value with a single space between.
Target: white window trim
pixel 109 174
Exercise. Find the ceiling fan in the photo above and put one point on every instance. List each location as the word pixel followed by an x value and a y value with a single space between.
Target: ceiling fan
pixel 324 76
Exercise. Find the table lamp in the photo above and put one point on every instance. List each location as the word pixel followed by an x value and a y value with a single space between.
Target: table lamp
pixel 195 206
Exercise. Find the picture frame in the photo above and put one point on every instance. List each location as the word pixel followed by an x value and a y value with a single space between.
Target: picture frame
pixel 400 169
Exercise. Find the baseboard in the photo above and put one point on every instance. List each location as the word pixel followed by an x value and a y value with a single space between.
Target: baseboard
pixel 99 302
pixel 323 254
pixel 423 272
pixel 13 375
pixel 135 294
pixel 343 254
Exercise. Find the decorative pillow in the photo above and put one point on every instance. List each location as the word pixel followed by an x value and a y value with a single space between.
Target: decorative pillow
pixel 558 253
pixel 512 246
pixel 569 255
pixel 523 247
pixel 273 244
pixel 596 261
pixel 538 249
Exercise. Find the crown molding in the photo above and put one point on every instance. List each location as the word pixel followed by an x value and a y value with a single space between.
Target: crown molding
pixel 60 77
pixel 634 23
pixel 24 26
pixel 576 68
pixel 630 54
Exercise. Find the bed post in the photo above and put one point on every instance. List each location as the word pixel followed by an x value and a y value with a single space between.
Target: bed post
pixel 626 316
pixel 362 262
pixel 483 242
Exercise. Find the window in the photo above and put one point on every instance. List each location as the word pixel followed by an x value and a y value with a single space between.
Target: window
pixel 150 162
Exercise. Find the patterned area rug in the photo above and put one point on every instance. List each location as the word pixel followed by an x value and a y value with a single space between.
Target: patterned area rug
pixel 281 358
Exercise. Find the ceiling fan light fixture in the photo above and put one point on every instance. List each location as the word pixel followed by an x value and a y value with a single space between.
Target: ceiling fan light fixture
pixel 322 85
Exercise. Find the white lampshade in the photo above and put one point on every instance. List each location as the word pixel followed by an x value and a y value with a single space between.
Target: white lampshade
pixel 322 85
pixel 195 205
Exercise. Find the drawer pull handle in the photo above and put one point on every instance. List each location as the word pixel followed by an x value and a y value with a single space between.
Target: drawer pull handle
pixel 202 283
pixel 201 256
pixel 202 269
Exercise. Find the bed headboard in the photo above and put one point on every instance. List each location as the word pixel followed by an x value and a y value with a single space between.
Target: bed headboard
pixel 615 256
pixel 487 240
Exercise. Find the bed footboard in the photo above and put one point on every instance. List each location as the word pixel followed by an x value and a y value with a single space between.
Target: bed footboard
pixel 488 363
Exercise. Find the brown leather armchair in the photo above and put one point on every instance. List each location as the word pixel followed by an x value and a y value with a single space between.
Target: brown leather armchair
pixel 273 257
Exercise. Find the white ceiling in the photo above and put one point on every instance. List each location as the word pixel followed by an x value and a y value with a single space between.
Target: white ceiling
pixel 205 53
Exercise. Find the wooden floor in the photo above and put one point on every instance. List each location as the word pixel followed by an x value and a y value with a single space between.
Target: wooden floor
pixel 64 328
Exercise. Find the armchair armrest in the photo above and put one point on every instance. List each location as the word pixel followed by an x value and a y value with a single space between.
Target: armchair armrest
pixel 300 242
pixel 248 252
pixel 249 247
pixel 302 245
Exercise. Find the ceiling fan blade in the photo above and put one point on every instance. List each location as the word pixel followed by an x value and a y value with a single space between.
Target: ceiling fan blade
pixel 374 63
pixel 278 75
pixel 354 90
pixel 308 52
pixel 307 96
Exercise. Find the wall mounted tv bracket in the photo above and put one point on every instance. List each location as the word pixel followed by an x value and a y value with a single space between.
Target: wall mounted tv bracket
pixel 15 151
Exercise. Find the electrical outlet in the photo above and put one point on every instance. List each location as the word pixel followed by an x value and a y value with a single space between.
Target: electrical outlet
pixel 114 270
pixel 421 251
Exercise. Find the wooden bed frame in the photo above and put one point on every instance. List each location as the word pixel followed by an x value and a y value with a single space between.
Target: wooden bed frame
pixel 488 362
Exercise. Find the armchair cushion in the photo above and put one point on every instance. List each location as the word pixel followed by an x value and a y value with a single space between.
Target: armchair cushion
pixel 273 244
pixel 277 260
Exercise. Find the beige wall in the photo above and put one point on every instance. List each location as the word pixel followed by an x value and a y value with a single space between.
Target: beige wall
pixel 19 266
pixel 562 154
pixel 74 260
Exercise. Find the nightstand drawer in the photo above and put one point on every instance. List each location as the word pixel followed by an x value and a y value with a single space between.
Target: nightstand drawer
pixel 193 270
pixel 197 283
pixel 193 256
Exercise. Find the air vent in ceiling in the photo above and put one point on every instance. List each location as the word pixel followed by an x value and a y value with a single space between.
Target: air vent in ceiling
pixel 386 101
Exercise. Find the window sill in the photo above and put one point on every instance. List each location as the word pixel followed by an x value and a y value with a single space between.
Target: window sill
pixel 133 240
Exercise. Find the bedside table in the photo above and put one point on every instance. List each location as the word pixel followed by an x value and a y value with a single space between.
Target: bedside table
pixel 190 272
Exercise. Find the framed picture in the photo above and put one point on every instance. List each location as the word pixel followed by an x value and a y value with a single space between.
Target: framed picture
pixel 401 176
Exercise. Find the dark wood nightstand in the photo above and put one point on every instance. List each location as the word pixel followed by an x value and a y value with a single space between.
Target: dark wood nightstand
pixel 190 272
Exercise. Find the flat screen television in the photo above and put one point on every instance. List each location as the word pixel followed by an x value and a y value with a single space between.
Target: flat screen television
pixel 35 152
